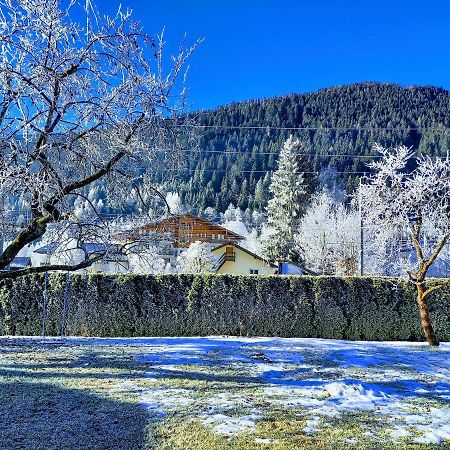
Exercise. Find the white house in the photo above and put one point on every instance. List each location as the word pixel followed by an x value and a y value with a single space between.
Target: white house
pixel 114 260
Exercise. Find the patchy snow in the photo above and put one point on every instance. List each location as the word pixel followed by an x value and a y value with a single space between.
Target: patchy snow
pixel 311 425
pixel 223 424
pixel 162 400
pixel 266 441
pixel 353 397
pixel 404 386
pixel 399 432
pixel 327 378
pixel 158 401
pixel 225 401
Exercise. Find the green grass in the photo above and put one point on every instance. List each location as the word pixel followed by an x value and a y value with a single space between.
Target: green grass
pixel 283 428
pixel 57 397
pixel 73 396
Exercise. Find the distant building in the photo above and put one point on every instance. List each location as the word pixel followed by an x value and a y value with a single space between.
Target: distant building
pixel 176 233
pixel 287 268
pixel 184 229
pixel 19 263
pixel 234 259
pixel 114 261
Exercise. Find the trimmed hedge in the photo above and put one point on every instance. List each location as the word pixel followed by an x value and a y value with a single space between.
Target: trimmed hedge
pixel 199 305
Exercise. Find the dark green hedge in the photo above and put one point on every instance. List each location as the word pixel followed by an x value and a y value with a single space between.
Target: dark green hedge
pixel 189 305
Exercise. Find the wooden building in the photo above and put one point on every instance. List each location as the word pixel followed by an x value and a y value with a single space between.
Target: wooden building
pixel 184 229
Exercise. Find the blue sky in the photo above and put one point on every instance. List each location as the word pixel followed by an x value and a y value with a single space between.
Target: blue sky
pixel 256 49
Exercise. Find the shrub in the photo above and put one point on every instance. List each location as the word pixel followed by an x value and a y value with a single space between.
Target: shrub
pixel 199 305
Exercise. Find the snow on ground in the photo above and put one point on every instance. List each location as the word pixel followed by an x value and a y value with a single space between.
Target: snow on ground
pixel 224 424
pixel 326 378
pixel 404 385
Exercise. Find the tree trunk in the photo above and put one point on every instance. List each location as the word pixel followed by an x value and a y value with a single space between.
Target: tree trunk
pixel 425 320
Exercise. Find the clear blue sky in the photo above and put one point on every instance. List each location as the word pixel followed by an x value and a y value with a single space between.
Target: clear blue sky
pixel 256 49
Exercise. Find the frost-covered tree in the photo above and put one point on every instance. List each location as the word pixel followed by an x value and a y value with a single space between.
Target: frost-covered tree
pixel 253 242
pixel 146 261
pixel 415 205
pixel 197 258
pixel 259 194
pixel 210 213
pixel 330 183
pixel 232 220
pixel 383 249
pixel 286 204
pixel 232 213
pixel 83 98
pixel 329 236
pixel 258 219
pixel 174 203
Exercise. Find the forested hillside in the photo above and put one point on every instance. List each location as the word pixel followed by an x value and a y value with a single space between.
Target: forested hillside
pixel 233 161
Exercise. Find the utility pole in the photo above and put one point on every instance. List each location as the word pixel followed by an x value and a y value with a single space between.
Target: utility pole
pixel 361 232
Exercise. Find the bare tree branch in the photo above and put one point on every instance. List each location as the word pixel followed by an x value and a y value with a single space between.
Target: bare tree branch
pixel 82 98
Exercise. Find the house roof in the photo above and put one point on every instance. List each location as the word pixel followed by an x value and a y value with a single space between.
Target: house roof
pixel 21 261
pixel 232 244
pixel 176 218
pixel 47 249
pixel 100 247
pixel 113 252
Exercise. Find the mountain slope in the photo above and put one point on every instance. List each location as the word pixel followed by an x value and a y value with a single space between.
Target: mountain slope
pixel 233 162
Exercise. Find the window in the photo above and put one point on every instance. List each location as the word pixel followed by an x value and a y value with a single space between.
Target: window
pixel 254 271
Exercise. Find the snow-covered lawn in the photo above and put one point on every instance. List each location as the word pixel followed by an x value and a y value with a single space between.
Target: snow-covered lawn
pixel 241 393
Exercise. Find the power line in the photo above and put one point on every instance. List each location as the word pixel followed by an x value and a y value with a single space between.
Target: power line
pixel 310 128
pixel 362 172
pixel 315 155
pixel 244 152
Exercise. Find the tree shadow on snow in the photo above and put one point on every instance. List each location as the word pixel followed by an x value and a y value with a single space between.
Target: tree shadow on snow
pixel 41 416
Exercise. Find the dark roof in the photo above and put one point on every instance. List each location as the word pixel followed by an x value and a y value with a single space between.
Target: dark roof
pixel 21 261
pixel 89 247
pixel 47 249
pixel 112 251
pixel 100 247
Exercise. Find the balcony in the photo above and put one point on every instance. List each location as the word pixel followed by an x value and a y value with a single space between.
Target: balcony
pixel 224 258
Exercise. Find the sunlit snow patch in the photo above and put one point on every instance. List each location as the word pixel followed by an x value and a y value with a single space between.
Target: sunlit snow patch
pixel 223 424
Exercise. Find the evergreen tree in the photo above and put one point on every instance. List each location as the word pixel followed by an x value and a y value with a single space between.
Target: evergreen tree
pixel 286 204
pixel 244 195
pixel 259 195
pixel 223 155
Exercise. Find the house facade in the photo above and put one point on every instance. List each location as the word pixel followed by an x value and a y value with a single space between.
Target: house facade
pixel 184 229
pixel 175 234
pixel 236 260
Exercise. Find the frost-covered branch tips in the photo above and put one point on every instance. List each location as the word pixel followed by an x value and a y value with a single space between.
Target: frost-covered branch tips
pixel 407 200
pixel 80 100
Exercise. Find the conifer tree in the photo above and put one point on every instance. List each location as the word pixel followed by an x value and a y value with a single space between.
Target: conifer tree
pixel 259 195
pixel 286 204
